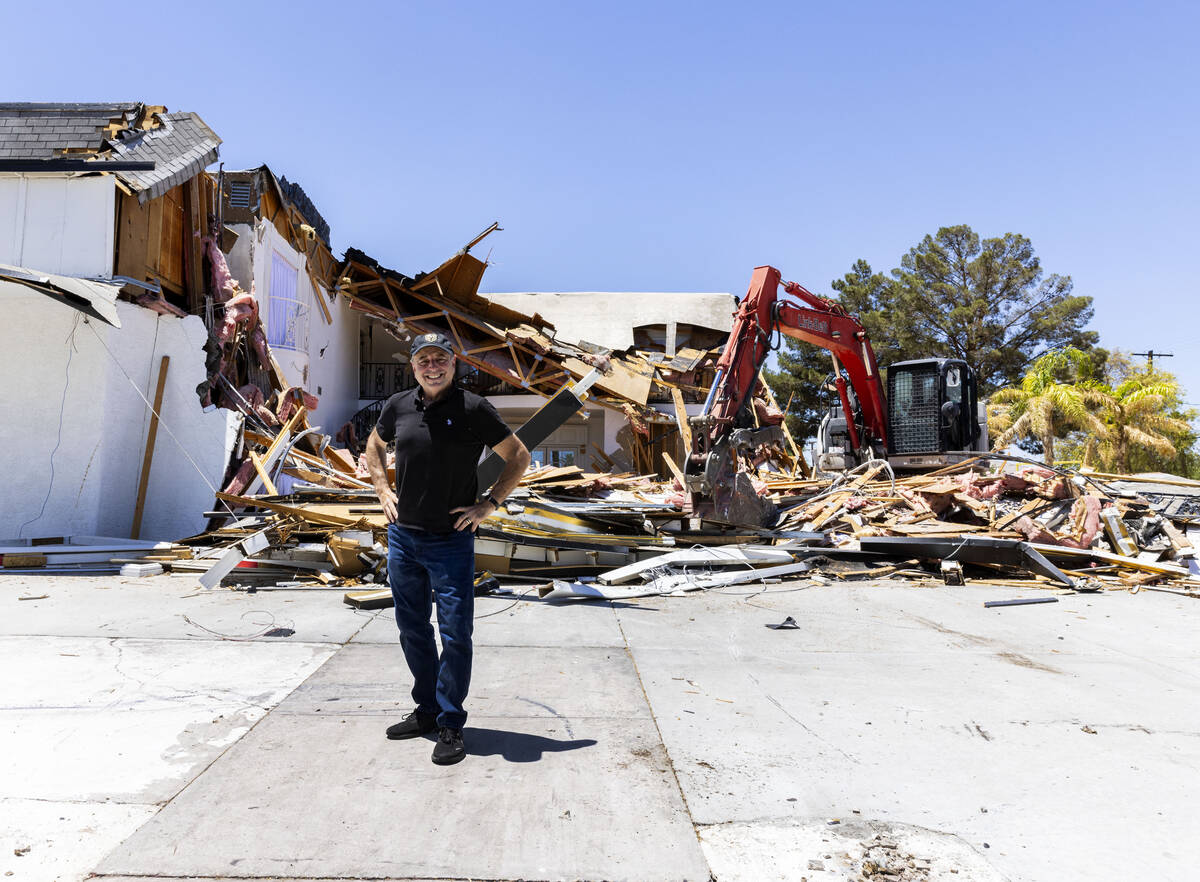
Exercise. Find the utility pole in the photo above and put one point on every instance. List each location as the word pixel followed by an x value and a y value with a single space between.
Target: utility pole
pixel 1149 356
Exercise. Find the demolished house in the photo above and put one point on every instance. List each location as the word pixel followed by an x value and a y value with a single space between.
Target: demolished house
pixel 626 527
pixel 145 293
pixel 133 355
pixel 101 208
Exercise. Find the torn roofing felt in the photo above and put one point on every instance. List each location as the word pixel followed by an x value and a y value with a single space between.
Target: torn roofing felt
pixel 179 144
pixel 94 297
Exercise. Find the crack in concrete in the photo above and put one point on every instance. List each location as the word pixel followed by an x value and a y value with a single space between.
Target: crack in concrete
pixel 566 723
pixel 800 722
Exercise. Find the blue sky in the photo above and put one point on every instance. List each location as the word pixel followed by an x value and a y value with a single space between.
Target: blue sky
pixel 675 146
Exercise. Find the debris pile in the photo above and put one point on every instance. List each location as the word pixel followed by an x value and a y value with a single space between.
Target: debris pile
pixel 302 512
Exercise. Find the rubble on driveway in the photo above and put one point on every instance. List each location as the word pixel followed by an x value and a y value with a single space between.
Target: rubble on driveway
pixel 297 512
pixel 569 534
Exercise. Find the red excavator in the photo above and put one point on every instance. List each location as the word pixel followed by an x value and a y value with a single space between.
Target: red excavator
pixel 930 417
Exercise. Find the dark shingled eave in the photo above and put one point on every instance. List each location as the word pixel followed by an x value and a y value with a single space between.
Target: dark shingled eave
pixel 181 148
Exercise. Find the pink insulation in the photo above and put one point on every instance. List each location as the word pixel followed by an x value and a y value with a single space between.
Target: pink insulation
pixel 224 284
pixel 290 398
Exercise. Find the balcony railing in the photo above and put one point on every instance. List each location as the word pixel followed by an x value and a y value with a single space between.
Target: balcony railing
pixel 383 379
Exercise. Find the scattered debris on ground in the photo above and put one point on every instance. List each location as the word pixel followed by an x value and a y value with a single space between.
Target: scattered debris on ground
pixel 565 533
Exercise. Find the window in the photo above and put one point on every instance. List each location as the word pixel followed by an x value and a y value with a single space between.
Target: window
pixel 287 320
pixel 555 456
pixel 953 386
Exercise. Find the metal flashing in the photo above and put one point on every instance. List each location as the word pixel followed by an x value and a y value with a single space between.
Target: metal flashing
pixel 94 297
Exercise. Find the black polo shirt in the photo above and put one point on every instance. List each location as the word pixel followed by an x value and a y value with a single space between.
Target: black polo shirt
pixel 437 452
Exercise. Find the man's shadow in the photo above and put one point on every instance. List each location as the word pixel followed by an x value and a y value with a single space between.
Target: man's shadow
pixel 517 747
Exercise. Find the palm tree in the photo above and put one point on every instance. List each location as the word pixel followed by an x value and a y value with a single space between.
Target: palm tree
pixel 1042 408
pixel 1134 418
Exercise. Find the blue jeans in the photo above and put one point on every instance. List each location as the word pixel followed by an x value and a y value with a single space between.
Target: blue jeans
pixel 420 565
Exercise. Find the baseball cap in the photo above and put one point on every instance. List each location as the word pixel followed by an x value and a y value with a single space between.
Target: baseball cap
pixel 424 341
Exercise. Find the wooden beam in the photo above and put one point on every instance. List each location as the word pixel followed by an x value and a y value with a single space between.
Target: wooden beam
pixel 681 417
pixel 674 469
pixel 296 511
pixel 268 484
pixel 801 462
pixel 195 223
pixel 148 456
pixel 154 236
pixel 318 293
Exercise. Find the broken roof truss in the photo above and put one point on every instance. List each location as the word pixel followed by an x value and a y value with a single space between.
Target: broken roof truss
pixel 519 349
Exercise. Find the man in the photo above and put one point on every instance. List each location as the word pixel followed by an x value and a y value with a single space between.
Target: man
pixel 440 431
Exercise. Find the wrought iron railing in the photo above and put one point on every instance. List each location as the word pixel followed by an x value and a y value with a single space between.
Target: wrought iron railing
pixel 383 379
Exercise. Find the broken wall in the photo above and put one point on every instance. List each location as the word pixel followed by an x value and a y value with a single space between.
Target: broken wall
pixel 75 429
pixel 327 364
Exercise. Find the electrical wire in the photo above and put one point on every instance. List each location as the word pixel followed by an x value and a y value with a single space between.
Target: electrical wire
pixel 1070 473
pixel 272 625
pixel 161 421
pixel 62 409
pixel 519 598
pixel 250 413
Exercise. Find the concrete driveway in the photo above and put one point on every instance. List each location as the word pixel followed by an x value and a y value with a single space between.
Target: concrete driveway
pixel 152 730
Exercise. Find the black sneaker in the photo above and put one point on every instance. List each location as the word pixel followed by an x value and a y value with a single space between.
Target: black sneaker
pixel 449 748
pixel 416 723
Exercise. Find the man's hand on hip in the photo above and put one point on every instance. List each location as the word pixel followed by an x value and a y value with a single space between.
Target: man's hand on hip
pixel 387 498
pixel 472 516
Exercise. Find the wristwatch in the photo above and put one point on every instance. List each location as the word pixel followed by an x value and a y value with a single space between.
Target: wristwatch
pixel 492 499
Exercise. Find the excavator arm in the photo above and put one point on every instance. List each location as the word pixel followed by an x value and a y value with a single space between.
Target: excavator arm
pixel 725 421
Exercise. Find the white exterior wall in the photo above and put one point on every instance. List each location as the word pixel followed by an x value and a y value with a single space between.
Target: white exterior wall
pixel 52 367
pixel 333 366
pixel 328 368
pixel 58 223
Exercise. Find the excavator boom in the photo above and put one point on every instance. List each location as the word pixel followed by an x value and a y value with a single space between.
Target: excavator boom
pixel 818 321
pixel 725 423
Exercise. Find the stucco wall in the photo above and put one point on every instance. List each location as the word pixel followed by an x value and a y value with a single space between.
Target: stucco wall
pixel 75 428
pixel 608 319
pixel 333 366
pixel 57 223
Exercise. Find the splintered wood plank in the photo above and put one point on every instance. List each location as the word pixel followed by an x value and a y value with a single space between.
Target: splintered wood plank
pixel 936 528
pixel 268 484
pixel 301 513
pixel 675 470
pixel 285 434
pixel 318 294
pixel 621 381
pixel 604 458
pixel 685 429
pixel 1029 508
pixel 1179 541
pixel 342 460
pixel 831 508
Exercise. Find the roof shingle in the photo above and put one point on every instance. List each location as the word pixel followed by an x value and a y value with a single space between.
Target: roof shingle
pixel 181 146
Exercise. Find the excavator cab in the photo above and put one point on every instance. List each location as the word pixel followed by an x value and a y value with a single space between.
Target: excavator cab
pixel 934 414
